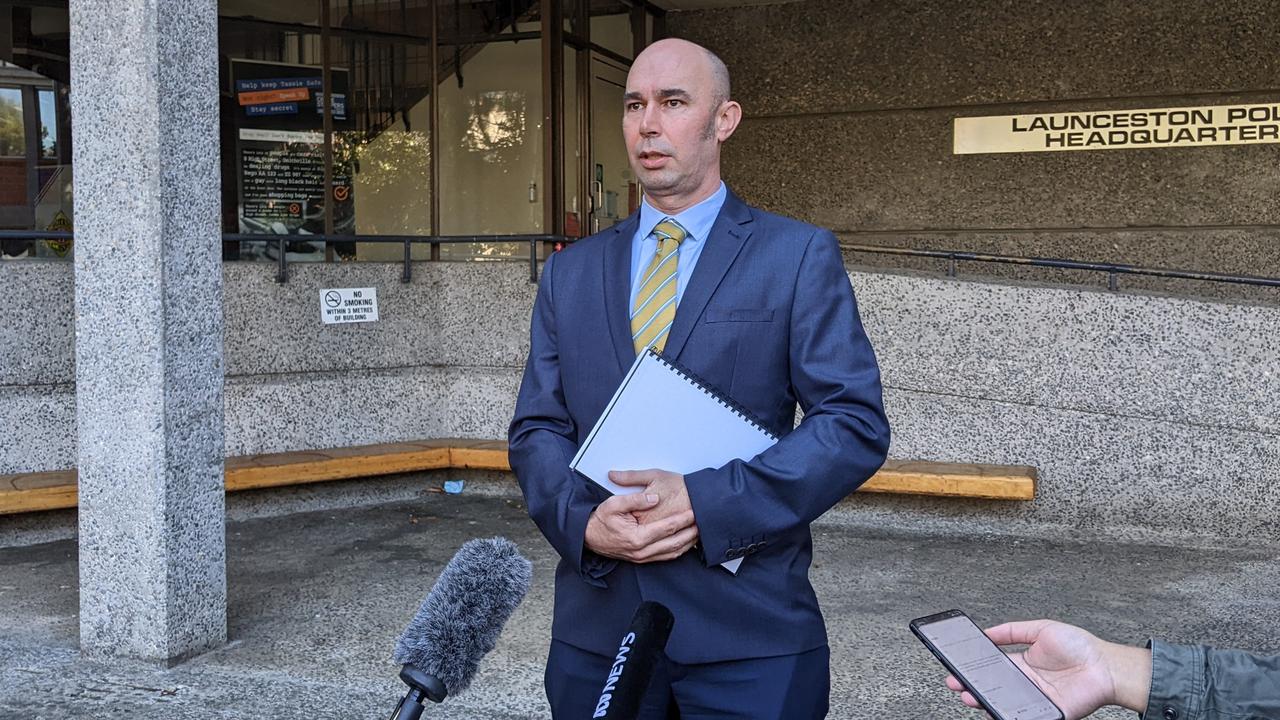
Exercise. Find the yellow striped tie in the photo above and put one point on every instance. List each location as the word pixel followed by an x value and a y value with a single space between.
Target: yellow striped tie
pixel 655 306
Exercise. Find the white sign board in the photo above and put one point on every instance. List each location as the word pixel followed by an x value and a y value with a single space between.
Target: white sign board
pixel 349 305
pixel 1119 129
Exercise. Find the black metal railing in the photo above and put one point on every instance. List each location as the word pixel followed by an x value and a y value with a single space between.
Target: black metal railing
pixel 1113 270
pixel 36 234
pixel 953 257
pixel 408 241
pixel 282 241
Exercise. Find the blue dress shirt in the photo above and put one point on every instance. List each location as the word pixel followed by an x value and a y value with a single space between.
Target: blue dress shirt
pixel 696 221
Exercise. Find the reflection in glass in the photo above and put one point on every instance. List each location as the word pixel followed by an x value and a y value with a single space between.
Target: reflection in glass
pixel 496 122
pixel 13 132
pixel 35 171
pixel 384 147
pixel 574 202
pixel 491 146
pixel 400 17
pixel 614 191
pixel 274 179
pixel 611 28
pixel 48 126
pixel 297 12
pixel 572 12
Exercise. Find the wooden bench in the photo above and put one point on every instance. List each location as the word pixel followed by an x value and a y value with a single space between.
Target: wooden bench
pixel 28 492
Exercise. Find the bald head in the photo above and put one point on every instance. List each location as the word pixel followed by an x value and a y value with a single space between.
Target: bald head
pixel 719 77
pixel 682 52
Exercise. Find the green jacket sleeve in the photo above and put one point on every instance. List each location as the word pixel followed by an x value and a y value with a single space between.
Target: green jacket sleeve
pixel 1195 682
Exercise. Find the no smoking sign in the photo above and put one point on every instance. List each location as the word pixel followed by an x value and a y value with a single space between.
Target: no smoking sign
pixel 348 305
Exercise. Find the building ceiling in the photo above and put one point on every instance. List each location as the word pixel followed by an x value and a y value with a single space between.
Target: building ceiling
pixel 307 12
pixel 680 5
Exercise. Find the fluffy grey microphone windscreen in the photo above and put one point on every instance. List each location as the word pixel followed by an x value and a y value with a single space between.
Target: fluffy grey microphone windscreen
pixel 461 617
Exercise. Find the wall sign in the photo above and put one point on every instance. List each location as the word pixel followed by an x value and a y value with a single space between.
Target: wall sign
pixel 348 305
pixel 1119 129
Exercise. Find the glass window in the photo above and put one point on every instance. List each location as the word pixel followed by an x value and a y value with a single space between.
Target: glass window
pixel 399 17
pixel 35 129
pixel 305 12
pixel 379 165
pixel 48 127
pixel 13 131
pixel 489 126
pixel 611 27
pixel 376 178
pixel 574 150
pixel 273 159
pixel 491 144
pixel 615 194
pixel 382 147
pixel 572 10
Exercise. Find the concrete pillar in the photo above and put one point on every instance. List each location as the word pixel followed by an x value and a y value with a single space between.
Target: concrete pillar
pixel 144 105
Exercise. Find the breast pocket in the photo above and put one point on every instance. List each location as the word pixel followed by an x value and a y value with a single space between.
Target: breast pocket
pixel 722 314
pixel 754 341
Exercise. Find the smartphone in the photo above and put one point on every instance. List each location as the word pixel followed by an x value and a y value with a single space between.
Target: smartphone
pixel 985 671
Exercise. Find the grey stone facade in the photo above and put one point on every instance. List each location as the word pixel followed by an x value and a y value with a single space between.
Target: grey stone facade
pixel 1147 416
pixel 849 106
pixel 1136 408
pixel 148 325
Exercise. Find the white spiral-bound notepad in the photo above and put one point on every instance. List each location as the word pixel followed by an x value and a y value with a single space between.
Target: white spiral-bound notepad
pixel 664 417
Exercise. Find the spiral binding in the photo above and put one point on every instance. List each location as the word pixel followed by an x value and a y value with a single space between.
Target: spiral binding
pixel 706 387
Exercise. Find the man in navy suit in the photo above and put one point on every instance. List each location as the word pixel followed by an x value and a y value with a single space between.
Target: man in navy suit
pixel 757 305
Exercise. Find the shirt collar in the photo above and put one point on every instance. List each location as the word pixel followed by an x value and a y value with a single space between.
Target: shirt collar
pixel 696 220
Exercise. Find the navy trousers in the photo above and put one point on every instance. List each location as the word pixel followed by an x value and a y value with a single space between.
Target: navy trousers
pixel 794 687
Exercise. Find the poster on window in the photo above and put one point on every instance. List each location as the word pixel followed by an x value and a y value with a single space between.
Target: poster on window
pixel 282 96
pixel 280 157
pixel 282 185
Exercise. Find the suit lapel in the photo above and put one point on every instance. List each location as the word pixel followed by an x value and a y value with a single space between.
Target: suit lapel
pixel 617 289
pixel 728 235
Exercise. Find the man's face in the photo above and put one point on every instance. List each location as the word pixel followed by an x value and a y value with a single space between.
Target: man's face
pixel 669 121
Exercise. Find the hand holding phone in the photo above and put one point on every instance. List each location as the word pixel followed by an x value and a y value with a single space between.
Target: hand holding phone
pixel 1077 670
pixel 990 676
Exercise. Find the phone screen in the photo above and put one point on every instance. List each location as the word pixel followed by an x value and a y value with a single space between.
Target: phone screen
pixel 985 669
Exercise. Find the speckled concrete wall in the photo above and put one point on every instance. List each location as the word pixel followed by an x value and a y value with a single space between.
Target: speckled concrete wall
pixel 1148 416
pixel 445 347
pixel 849 107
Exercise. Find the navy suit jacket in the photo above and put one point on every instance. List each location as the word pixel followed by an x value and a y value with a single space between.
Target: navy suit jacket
pixel 768 317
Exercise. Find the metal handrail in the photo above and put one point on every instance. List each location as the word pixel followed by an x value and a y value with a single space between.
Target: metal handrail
pixel 407 240
pixel 953 257
pixel 282 266
pixel 35 234
pixel 1113 270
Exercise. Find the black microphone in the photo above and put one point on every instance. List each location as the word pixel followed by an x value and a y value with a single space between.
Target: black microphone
pixel 459 622
pixel 639 653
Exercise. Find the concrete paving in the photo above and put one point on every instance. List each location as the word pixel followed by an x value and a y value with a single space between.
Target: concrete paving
pixel 317 599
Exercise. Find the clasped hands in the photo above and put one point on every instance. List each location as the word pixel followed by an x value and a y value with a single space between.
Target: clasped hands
pixel 652 525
